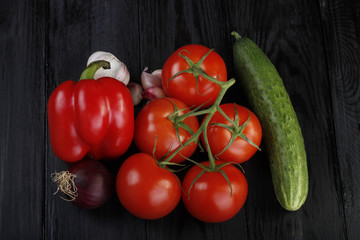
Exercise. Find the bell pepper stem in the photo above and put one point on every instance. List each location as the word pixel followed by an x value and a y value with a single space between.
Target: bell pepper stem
pixel 90 71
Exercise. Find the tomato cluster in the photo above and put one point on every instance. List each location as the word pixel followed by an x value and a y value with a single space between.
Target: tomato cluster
pixel 95 119
pixel 167 132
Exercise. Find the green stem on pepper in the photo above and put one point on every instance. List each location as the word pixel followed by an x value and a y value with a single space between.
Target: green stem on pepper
pixel 90 71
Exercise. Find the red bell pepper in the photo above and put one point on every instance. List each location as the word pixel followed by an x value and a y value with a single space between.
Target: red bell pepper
pixel 91 117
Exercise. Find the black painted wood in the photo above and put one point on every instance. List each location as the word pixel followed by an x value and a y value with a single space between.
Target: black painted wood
pixel 340 20
pixel 315 45
pixel 22 121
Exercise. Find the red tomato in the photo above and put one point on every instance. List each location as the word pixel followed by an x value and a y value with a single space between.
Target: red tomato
pixel 240 150
pixel 184 86
pixel 210 198
pixel 145 189
pixel 152 123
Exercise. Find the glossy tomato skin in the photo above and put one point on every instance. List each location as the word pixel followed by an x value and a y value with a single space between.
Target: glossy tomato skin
pixel 240 151
pixel 145 189
pixel 184 86
pixel 152 123
pixel 210 199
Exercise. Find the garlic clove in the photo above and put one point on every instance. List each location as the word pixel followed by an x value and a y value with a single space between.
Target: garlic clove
pixel 136 92
pixel 153 93
pixel 157 73
pixel 150 80
pixel 118 69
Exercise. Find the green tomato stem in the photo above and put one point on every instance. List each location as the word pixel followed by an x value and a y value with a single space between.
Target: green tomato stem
pixel 202 129
pixel 226 116
pixel 193 114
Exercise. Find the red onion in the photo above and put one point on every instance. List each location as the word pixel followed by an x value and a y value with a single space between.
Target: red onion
pixel 88 184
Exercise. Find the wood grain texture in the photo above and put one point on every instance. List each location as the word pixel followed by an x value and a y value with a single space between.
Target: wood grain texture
pixel 341 25
pixel 315 46
pixel 22 84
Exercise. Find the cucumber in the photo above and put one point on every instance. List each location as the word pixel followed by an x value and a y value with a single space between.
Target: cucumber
pixel 282 135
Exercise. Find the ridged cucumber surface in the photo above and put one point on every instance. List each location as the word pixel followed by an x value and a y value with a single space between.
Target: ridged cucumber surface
pixel 282 135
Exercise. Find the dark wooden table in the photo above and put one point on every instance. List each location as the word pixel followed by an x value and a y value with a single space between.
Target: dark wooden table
pixel 315 46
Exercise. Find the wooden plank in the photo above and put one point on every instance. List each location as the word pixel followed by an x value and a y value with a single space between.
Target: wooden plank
pixel 340 20
pixel 22 84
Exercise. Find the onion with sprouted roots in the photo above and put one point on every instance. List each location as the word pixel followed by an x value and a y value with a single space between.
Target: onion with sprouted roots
pixel 87 184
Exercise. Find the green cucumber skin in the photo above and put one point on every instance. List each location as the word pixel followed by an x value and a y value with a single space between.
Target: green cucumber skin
pixel 282 135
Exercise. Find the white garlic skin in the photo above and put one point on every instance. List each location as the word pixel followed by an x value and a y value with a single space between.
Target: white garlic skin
pixel 153 93
pixel 136 92
pixel 151 80
pixel 118 69
pixel 157 73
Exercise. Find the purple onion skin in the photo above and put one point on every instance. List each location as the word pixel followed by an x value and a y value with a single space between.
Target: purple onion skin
pixel 95 184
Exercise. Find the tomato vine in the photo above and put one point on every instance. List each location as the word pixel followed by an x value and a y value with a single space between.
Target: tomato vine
pixel 235 129
pixel 213 190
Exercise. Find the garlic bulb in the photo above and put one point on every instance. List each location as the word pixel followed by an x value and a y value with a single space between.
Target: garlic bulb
pixel 151 80
pixel 118 69
pixel 136 92
pixel 152 85
pixel 153 93
pixel 157 73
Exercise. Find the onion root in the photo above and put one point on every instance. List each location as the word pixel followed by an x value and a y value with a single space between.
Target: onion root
pixel 65 181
